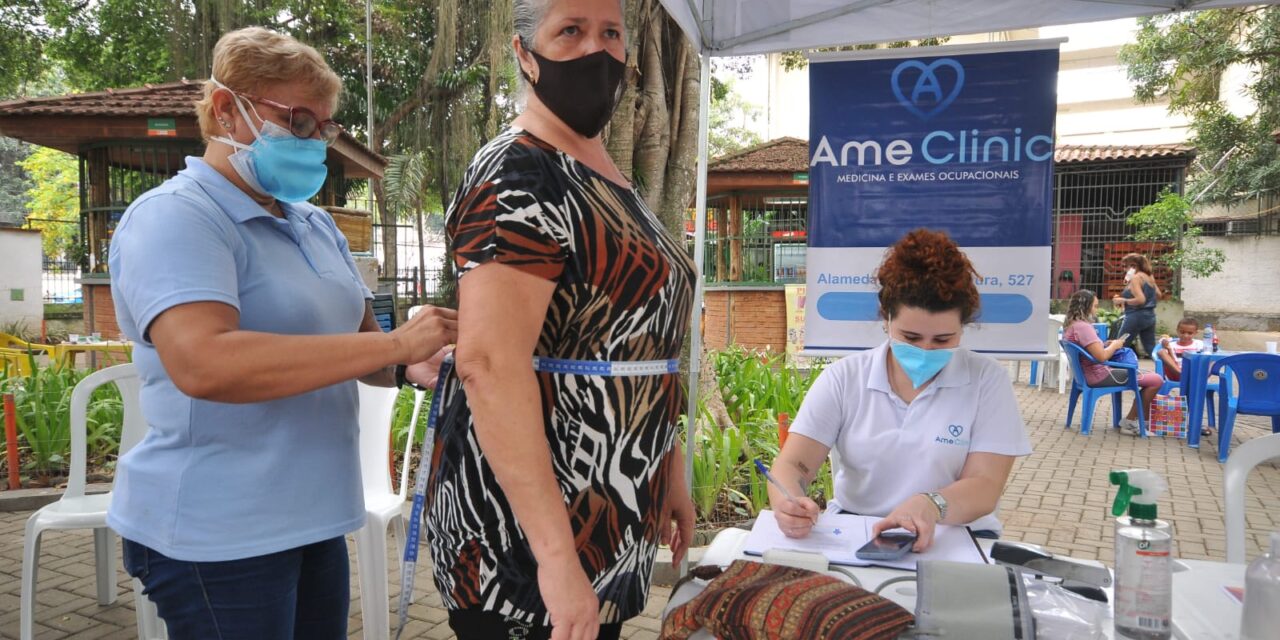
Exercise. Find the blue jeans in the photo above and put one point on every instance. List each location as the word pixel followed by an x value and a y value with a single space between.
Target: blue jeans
pixel 1140 324
pixel 297 593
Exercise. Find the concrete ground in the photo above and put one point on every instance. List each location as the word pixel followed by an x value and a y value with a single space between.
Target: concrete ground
pixel 1058 497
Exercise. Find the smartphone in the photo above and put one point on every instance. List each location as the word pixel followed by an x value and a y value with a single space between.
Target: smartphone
pixel 1122 337
pixel 890 545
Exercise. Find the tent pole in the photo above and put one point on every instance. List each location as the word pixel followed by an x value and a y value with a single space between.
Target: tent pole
pixel 699 256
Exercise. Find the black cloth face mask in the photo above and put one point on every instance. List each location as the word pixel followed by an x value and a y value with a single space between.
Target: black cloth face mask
pixel 582 92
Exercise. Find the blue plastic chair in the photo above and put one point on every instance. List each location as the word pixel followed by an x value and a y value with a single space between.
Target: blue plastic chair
pixel 1079 386
pixel 1258 377
pixel 1210 388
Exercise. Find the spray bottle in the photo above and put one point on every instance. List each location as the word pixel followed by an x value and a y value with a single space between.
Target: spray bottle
pixel 1144 558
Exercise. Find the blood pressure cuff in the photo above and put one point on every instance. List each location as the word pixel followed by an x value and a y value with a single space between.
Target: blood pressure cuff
pixel 757 601
pixel 964 601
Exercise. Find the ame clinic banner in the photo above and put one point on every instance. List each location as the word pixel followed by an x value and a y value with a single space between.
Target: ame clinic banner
pixel 949 138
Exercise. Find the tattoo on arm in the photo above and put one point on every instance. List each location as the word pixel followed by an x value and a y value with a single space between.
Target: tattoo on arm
pixel 806 476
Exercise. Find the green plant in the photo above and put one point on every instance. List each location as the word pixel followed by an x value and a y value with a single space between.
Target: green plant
pixel 42 401
pixel 403 414
pixel 756 388
pixel 1169 220
pixel 20 330
pixel 716 457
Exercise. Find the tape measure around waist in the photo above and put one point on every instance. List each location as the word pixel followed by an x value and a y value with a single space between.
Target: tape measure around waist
pixel 409 562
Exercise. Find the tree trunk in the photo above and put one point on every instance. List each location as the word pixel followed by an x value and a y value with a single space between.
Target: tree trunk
pixel 682 174
pixel 385 217
pixel 654 139
pixel 620 136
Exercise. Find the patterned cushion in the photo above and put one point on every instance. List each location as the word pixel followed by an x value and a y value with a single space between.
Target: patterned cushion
pixel 756 601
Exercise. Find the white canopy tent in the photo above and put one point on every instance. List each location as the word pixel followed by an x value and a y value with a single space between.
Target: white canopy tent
pixel 744 27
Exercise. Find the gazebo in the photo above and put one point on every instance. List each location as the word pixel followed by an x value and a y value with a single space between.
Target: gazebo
pixel 130 140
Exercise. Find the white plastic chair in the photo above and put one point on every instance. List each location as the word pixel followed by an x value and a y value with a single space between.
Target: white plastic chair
pixel 75 510
pixel 1247 456
pixel 383 507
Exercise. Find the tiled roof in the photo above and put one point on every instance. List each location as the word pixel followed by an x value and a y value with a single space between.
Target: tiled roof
pixel 1068 153
pixel 791 155
pixel 784 155
pixel 169 99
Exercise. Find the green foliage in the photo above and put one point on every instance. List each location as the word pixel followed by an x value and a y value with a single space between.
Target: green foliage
pixel 402 417
pixel 14 181
pixel 1169 220
pixel 756 389
pixel 54 196
pixel 793 60
pixel 1109 314
pixel 21 44
pixel 43 410
pixel 730 120
pixel 1184 58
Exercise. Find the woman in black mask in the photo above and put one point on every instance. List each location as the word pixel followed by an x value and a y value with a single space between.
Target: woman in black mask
pixel 556 471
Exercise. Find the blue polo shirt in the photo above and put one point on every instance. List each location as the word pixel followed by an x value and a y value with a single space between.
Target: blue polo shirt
pixel 214 481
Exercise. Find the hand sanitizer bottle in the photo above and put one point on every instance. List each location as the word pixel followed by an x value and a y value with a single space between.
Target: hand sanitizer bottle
pixel 1144 558
pixel 1261 620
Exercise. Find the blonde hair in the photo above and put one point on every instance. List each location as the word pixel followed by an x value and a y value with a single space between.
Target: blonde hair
pixel 252 58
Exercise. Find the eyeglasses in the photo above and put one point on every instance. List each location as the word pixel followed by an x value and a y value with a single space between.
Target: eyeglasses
pixel 303 122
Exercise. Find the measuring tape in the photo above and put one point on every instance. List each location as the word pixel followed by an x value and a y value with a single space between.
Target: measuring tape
pixel 409 563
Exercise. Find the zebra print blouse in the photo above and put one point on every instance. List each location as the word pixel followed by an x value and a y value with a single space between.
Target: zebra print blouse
pixel 623 292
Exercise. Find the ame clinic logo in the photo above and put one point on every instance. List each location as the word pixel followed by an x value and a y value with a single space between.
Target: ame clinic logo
pixel 933 86
pixel 955 430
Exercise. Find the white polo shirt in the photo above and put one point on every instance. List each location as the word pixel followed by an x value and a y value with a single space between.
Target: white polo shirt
pixel 890 450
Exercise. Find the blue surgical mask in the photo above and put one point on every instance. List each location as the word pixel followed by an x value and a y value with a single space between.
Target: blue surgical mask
pixel 921 365
pixel 278 163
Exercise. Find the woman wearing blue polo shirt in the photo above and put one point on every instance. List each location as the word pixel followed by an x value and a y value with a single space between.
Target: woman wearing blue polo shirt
pixel 926 431
pixel 251 325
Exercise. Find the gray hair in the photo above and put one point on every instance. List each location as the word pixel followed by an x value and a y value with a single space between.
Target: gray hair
pixel 526 15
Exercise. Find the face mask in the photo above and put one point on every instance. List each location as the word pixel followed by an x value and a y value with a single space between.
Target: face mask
pixel 278 163
pixel 582 92
pixel 921 365
pixel 1128 275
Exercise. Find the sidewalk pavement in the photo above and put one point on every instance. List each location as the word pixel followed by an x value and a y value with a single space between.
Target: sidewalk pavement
pixel 1058 497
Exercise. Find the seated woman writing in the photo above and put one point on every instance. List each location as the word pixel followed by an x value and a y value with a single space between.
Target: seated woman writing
pixel 925 431
pixel 1082 308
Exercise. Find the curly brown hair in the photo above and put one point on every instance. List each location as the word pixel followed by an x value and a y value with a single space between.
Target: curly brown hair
pixel 927 269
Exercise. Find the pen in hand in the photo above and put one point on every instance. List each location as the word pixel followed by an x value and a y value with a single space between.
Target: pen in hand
pixel 764 471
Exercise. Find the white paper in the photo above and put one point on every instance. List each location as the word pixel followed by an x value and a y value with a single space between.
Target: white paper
pixel 838 536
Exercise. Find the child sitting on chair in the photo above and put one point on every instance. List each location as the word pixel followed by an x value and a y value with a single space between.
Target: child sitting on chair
pixel 1170 352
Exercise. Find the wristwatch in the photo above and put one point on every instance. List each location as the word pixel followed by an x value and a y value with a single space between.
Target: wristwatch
pixel 401 380
pixel 939 502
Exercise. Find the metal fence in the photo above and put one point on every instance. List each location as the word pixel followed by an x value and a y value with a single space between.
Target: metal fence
pixel 1091 205
pixel 60 274
pixel 769 248
pixel 419 276
pixel 1264 220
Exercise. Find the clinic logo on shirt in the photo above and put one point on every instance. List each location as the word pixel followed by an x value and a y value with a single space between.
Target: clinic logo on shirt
pixel 954 431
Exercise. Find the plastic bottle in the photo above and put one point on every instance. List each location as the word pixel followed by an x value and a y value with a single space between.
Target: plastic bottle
pixel 1210 339
pixel 1144 558
pixel 1261 620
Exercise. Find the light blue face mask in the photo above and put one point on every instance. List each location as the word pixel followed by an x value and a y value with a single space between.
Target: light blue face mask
pixel 278 163
pixel 921 365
